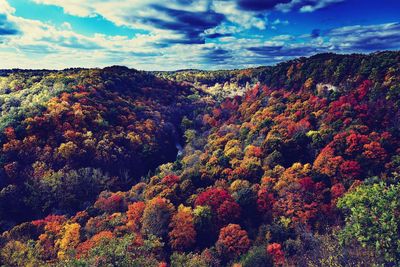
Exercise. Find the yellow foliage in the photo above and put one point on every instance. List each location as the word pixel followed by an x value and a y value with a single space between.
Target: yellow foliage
pixel 182 208
pixel 69 240
pixel 232 149
pixel 308 83
pixel 134 138
pixel 16 253
pixel 285 222
pixel 67 150
pixel 290 177
pixel 239 184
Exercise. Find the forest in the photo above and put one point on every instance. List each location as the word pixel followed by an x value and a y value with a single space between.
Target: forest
pixel 296 164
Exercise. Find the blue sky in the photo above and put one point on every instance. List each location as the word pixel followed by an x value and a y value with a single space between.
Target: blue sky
pixel 177 34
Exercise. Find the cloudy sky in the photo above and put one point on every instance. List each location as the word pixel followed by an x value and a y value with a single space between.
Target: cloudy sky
pixel 177 34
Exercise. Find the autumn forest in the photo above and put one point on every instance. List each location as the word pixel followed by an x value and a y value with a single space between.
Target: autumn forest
pixel 295 164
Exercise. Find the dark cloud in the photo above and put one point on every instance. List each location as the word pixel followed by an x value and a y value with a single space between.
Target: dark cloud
pixel 285 51
pixel 315 33
pixel 6 27
pixel 374 43
pixel 73 42
pixel 216 55
pixel 7 31
pixel 185 2
pixel 122 55
pixel 341 40
pixel 217 35
pixel 259 5
pixel 167 42
pixel 267 55
pixel 187 23
pixel 366 38
pixel 284 5
pixel 263 50
pixel 145 54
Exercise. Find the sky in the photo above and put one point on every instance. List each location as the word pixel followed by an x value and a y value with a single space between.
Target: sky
pixel 182 34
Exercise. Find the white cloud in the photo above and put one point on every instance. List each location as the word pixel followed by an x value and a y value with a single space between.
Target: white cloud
pixel 5 8
pixel 243 20
pixel 44 45
pixel 66 26
pixel 124 12
pixel 306 5
pixel 284 37
pixel 278 21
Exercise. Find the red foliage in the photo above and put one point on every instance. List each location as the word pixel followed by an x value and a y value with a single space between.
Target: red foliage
pixel 275 250
pixel 295 207
pixel 307 184
pixel 355 142
pixel 301 126
pixel 170 179
pixel 229 105
pixel 350 169
pixel 51 223
pixel 374 151
pixel 265 201
pixel 216 113
pixel 221 203
pixel 183 234
pixel 253 151
pixel 213 197
pixel 337 108
pixel 109 204
pixel 232 241
pixel 84 247
pixel 11 169
pixel 337 190
pixel 207 119
pixel 228 212
pixel 134 215
pixel 252 93
pixel 362 90
pixel 9 133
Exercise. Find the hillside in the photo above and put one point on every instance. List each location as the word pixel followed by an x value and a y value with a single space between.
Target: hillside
pixel 344 70
pixel 298 167
pixel 66 136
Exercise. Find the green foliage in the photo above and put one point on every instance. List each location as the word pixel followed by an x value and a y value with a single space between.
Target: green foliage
pixel 326 250
pixel 67 190
pixel 156 217
pixel 189 260
pixel 24 95
pixel 16 253
pixel 256 257
pixel 372 218
pixel 119 252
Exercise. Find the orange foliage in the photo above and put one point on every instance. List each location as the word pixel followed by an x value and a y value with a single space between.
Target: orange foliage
pixel 183 234
pixel 232 241
pixel 327 163
pixel 374 151
pixel 135 214
pixel 84 247
pixel 275 250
